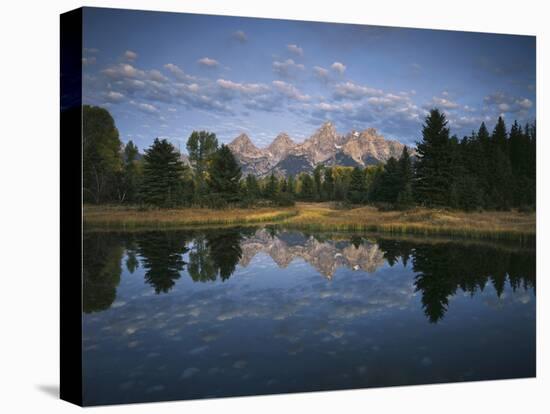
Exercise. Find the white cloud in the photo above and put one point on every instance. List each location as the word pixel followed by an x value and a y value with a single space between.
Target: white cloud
pixel 524 103
pixel 295 49
pixel 177 72
pixel 246 88
pixel 145 107
pixel 290 90
pixel 123 70
pixel 113 96
pixel 240 36
pixel 130 55
pixel 208 62
pixel 321 72
pixel 287 68
pixel 350 90
pixel 338 67
pixel 156 76
pixel 504 107
pixel 444 102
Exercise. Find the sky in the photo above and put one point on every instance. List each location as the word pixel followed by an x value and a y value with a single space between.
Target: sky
pixel 167 74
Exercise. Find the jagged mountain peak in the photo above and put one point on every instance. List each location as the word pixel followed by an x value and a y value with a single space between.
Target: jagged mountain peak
pixel 325 145
pixel 243 145
pixel 281 146
pixel 282 138
pixel 242 140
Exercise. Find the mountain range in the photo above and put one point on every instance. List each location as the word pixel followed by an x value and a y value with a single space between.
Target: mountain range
pixel 325 256
pixel 284 156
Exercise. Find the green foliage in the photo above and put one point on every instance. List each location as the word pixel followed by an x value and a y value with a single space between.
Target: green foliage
pixel 433 168
pixel 357 188
pixel 328 185
pixel 201 146
pixel 224 174
pixel 271 191
pixel 102 161
pixel 162 174
pixel 481 171
pixel 130 177
pixel 307 187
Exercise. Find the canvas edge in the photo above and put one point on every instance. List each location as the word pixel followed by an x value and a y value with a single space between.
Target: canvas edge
pixel 71 206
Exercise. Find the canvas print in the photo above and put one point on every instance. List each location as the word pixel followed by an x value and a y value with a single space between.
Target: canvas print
pixel 275 206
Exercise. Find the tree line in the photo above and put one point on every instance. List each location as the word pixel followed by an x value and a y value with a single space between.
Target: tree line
pixel 482 171
pixel 441 270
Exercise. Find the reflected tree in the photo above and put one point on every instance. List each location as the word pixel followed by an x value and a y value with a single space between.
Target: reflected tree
pixel 215 254
pixel 444 267
pixel 225 248
pixel 201 267
pixel 132 262
pixel 162 258
pixel 101 270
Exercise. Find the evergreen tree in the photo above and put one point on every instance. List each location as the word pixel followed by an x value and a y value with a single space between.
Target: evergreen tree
pixel 307 188
pixel 224 174
pixel 357 187
pixel 433 168
pixel 405 193
pixel 291 185
pixel 162 171
pixel 272 188
pixel 500 170
pixel 252 187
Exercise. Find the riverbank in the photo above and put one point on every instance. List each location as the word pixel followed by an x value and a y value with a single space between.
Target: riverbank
pixel 324 217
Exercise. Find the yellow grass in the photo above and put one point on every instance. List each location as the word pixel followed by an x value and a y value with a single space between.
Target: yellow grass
pixel 323 216
pixel 326 217
pixel 128 218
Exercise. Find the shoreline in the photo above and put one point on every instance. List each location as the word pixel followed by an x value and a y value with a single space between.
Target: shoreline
pixel 509 225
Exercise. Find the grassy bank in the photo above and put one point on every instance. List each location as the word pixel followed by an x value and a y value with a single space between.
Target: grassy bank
pixel 117 217
pixel 420 221
pixel 326 217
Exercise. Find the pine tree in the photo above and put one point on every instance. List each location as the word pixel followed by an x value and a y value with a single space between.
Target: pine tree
pixel 357 187
pixel 224 174
pixel 433 168
pixel 252 187
pixel 291 185
pixel 272 188
pixel 500 170
pixel 162 172
pixel 307 190
pixel 405 193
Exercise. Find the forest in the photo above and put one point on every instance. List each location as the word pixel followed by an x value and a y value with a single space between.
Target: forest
pixel 483 171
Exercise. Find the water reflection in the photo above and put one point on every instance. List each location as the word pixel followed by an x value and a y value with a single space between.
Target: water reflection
pixel 195 314
pixel 441 267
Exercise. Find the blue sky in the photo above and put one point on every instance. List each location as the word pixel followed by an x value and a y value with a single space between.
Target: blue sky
pixel 167 74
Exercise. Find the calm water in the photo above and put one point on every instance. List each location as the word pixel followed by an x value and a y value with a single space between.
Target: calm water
pixel 180 315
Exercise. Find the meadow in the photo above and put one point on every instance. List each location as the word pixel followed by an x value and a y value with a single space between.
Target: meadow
pixel 324 217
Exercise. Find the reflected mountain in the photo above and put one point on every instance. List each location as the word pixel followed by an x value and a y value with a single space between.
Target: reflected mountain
pixel 326 256
pixel 441 269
